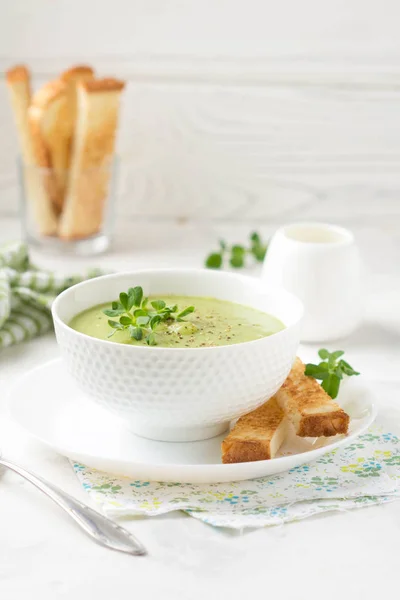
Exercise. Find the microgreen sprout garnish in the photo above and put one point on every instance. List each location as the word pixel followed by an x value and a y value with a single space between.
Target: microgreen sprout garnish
pixel 236 254
pixel 330 371
pixel 140 317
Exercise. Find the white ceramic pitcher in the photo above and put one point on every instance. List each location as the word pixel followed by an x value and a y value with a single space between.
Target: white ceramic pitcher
pixel 320 264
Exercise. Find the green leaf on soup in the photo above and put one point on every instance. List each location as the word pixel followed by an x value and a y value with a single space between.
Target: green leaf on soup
pixel 158 304
pixel 115 324
pixel 123 298
pixel 185 312
pixel 137 295
pixel 125 320
pixel 136 333
pixel 142 320
pixel 154 321
pixel 113 313
pixel 151 340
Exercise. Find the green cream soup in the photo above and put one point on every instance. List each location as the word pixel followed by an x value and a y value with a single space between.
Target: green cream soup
pixel 213 323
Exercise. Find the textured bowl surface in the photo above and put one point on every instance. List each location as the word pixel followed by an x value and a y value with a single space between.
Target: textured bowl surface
pixel 179 394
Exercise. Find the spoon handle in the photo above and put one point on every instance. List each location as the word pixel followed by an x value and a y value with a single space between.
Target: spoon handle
pixel 101 529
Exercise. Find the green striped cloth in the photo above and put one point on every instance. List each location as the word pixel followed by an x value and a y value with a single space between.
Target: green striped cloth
pixel 26 294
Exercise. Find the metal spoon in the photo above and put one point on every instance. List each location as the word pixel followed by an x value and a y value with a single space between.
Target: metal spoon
pixel 99 528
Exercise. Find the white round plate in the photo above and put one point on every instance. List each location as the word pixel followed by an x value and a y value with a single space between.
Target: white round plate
pixel 48 405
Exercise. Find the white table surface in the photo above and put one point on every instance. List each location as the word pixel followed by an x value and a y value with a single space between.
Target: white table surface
pixel 349 555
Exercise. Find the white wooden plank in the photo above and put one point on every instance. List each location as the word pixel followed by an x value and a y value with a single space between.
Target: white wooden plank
pixel 230 151
pixel 200 27
pixel 233 110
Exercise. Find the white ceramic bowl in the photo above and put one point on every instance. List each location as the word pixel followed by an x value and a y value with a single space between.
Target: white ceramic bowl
pixel 179 394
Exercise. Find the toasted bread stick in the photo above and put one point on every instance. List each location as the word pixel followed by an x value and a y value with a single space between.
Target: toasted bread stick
pixel 19 86
pixel 91 160
pixel 257 435
pixel 72 77
pixel 18 83
pixel 48 117
pixel 307 405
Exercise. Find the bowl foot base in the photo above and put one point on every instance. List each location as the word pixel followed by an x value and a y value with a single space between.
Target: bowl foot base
pixel 178 434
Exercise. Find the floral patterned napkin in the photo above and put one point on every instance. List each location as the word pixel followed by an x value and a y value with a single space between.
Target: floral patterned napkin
pixel 364 473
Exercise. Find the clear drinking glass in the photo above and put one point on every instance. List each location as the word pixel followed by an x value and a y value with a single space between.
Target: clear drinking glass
pixel 67 211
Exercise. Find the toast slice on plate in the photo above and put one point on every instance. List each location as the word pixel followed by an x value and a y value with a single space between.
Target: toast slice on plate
pixel 48 116
pixel 312 412
pixel 18 83
pixel 91 159
pixel 257 435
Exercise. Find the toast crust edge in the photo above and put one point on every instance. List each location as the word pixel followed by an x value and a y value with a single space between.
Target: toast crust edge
pixel 108 84
pixel 77 71
pixel 18 73
pixel 256 436
pixel 244 451
pixel 300 393
pixel 324 425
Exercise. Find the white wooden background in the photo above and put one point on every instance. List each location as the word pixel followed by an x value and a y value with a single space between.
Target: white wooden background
pixel 235 109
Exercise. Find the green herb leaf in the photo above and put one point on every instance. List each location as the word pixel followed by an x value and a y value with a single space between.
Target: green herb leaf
pixel 258 249
pixel 330 371
pixel 331 385
pixel 185 312
pixel 236 261
pixel 151 340
pixel 255 237
pixel 143 320
pixel 113 313
pixel 136 333
pixel 347 369
pixel 136 294
pixel 238 250
pixel 259 252
pixel 155 321
pixel 131 300
pixel 123 298
pixel 115 325
pixel 125 320
pixel 316 371
pixel 158 304
pixel 238 254
pixel 214 261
